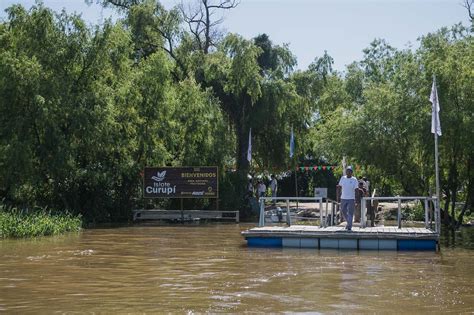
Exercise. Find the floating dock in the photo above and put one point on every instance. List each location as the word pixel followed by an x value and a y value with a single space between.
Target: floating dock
pixel 331 235
pixel 337 237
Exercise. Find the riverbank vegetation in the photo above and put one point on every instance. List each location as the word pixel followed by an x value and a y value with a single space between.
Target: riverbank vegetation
pixel 83 109
pixel 19 224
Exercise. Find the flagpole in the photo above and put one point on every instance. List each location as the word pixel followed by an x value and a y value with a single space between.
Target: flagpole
pixel 435 129
pixel 296 184
pixel 438 202
pixel 292 155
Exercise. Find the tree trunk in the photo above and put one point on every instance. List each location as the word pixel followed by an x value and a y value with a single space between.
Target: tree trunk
pixel 243 164
pixel 446 206
pixel 454 190
pixel 469 200
pixel 464 208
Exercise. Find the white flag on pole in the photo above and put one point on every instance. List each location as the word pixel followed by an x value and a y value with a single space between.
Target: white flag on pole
pixel 435 123
pixel 292 144
pixel 249 150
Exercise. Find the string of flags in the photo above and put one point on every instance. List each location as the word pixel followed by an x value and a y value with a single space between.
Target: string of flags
pixel 324 168
pixel 314 168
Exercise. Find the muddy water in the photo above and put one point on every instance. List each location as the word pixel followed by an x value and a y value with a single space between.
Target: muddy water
pixel 186 269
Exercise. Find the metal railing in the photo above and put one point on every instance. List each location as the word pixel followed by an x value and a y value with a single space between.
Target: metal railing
pixel 323 211
pixel 335 211
pixel 399 199
pixel 330 214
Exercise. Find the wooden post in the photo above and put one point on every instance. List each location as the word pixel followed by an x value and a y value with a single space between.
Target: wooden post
pixel 326 212
pixel 332 213
pixel 399 213
pixel 321 212
pixel 296 188
pixel 288 218
pixel 426 214
pixel 438 216
pixel 431 212
pixel 261 221
pixel 370 212
pixel 363 213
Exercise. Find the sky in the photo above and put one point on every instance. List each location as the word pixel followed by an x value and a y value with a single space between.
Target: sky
pixel 342 27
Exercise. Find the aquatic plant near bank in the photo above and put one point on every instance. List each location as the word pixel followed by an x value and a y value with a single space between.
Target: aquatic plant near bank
pixel 19 224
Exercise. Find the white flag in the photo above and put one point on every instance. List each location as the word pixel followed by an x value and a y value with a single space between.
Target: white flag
pixel 292 144
pixel 435 123
pixel 249 150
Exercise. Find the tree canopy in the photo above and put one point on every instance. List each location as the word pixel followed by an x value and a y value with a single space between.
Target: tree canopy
pixel 85 108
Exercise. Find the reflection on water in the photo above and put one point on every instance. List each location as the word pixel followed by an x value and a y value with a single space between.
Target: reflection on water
pixel 209 269
pixel 463 238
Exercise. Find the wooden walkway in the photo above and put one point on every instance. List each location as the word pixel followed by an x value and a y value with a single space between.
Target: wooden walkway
pixel 185 215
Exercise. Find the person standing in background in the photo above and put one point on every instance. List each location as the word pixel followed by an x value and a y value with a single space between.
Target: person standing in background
pixel 261 189
pixel 366 185
pixel 348 185
pixel 274 188
pixel 250 188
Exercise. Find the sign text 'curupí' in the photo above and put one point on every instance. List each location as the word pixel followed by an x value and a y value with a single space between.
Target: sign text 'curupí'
pixel 181 182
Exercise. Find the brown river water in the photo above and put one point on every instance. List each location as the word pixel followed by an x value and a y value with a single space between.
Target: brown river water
pixel 209 268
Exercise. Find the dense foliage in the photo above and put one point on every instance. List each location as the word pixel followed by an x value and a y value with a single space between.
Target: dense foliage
pixel 17 224
pixel 84 109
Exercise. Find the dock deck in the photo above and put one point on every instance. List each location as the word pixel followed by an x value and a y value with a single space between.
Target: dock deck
pixel 331 235
pixel 336 237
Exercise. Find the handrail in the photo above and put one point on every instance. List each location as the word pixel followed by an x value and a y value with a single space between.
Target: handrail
pixel 401 198
pixel 399 212
pixel 290 198
pixel 334 205
pixel 261 221
pixel 323 211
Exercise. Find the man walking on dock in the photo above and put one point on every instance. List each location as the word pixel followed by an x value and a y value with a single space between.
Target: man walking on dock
pixel 348 185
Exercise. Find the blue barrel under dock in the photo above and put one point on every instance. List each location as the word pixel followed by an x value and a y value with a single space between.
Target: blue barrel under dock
pixel 336 237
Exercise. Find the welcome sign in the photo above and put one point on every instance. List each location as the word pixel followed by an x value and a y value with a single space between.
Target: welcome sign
pixel 181 182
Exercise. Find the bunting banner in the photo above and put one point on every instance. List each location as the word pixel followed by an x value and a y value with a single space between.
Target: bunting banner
pixel 307 168
pixel 302 168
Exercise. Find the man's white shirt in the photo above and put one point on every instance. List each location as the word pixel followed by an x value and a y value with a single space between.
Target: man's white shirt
pixel 348 186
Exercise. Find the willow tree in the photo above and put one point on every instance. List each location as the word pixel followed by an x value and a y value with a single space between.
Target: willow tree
pixel 81 115
pixel 59 90
pixel 251 80
pixel 449 54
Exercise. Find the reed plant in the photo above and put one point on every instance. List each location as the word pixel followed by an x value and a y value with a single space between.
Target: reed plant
pixel 15 223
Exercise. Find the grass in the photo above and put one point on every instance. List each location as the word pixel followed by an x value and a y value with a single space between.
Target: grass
pixel 18 224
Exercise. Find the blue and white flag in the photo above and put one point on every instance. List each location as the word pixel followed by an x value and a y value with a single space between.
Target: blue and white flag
pixel 435 123
pixel 249 150
pixel 292 144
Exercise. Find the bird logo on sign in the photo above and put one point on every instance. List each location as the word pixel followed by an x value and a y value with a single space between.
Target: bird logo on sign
pixel 159 176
